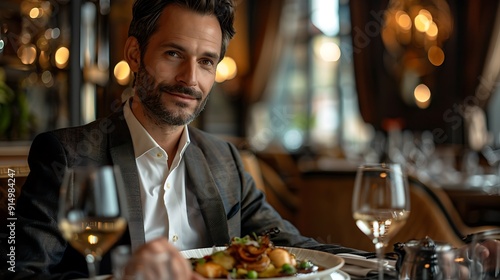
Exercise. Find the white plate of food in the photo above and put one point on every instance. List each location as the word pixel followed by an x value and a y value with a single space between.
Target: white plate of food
pixel 328 264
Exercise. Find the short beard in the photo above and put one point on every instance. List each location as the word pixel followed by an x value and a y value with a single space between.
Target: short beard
pixel 151 93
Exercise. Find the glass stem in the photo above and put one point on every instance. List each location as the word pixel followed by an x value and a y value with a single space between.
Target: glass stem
pixel 379 250
pixel 92 265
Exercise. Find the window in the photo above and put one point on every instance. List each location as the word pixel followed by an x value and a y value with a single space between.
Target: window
pixel 312 102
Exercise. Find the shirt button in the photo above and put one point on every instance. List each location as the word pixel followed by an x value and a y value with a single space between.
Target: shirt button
pixel 159 155
pixel 175 238
pixel 168 185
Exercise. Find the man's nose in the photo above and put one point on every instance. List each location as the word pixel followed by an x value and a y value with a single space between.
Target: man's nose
pixel 187 73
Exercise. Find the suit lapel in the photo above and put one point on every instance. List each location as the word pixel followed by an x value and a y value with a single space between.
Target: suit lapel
pixel 198 174
pixel 205 189
pixel 122 154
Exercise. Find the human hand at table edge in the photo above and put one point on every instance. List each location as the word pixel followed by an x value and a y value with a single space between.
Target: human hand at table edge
pixel 159 259
pixel 488 252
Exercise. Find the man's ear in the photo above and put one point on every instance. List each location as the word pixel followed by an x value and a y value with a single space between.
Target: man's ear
pixel 132 53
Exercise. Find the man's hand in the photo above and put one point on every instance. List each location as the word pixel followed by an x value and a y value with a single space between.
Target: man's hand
pixel 489 253
pixel 159 259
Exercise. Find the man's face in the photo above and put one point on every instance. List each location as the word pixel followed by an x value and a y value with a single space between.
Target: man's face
pixel 178 68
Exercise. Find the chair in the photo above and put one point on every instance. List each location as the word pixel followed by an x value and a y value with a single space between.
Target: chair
pixel 434 215
pixel 279 194
pixel 251 164
pixel 282 162
pixel 325 213
pixel 269 181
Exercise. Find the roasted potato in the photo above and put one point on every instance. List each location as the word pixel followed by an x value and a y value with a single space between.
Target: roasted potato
pixel 210 269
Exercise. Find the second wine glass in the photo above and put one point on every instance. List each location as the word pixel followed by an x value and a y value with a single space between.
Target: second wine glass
pixel 92 211
pixel 380 204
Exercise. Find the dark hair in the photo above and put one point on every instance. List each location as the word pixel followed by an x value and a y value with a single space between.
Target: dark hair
pixel 145 15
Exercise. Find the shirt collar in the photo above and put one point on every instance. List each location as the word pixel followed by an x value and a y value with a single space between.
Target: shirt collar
pixel 142 140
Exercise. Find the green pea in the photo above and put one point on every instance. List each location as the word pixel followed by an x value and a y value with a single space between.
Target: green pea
pixel 252 274
pixel 288 269
pixel 305 264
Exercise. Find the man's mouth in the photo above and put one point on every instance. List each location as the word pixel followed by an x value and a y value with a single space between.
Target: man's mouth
pixel 185 93
pixel 181 95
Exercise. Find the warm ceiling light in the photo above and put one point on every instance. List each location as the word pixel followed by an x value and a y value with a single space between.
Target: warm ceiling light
pixel 433 31
pixel 329 51
pixel 27 53
pixel 422 96
pixel 35 13
pixel 226 70
pixel 62 57
pixel 435 55
pixel 122 73
pixel 422 23
pixel 422 93
pixel 403 20
pixel 413 34
pixel 426 13
pixel 44 60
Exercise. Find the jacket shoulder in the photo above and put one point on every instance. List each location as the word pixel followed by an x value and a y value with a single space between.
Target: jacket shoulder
pixel 84 141
pixel 207 140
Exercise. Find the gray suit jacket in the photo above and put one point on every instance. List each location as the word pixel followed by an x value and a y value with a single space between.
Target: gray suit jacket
pixel 228 200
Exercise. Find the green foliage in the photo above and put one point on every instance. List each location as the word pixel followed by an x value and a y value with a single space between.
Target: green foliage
pixel 15 116
pixel 6 98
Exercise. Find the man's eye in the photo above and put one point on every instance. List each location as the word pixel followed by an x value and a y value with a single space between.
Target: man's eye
pixel 207 62
pixel 172 53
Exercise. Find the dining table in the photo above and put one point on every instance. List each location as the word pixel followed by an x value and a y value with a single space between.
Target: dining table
pixel 477 199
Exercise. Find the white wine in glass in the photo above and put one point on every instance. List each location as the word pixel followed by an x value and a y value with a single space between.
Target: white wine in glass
pixel 380 204
pixel 92 211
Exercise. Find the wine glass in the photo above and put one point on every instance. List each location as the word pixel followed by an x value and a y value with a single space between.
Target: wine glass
pixel 380 204
pixel 92 211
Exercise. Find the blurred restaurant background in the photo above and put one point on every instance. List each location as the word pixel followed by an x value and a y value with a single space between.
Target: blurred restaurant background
pixel 309 89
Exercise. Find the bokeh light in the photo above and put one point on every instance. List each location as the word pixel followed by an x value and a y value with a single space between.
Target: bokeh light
pixel 122 73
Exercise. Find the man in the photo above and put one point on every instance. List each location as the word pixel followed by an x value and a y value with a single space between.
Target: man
pixel 182 184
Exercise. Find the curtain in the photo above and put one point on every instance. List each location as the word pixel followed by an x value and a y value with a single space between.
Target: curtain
pixel 265 46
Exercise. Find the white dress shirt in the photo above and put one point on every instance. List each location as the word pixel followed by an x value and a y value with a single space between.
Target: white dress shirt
pixel 168 208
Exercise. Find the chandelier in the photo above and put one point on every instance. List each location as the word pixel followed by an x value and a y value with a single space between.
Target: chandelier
pixel 414 32
pixel 413 35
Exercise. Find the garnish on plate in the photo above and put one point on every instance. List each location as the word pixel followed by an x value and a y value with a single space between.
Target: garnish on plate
pixel 252 257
